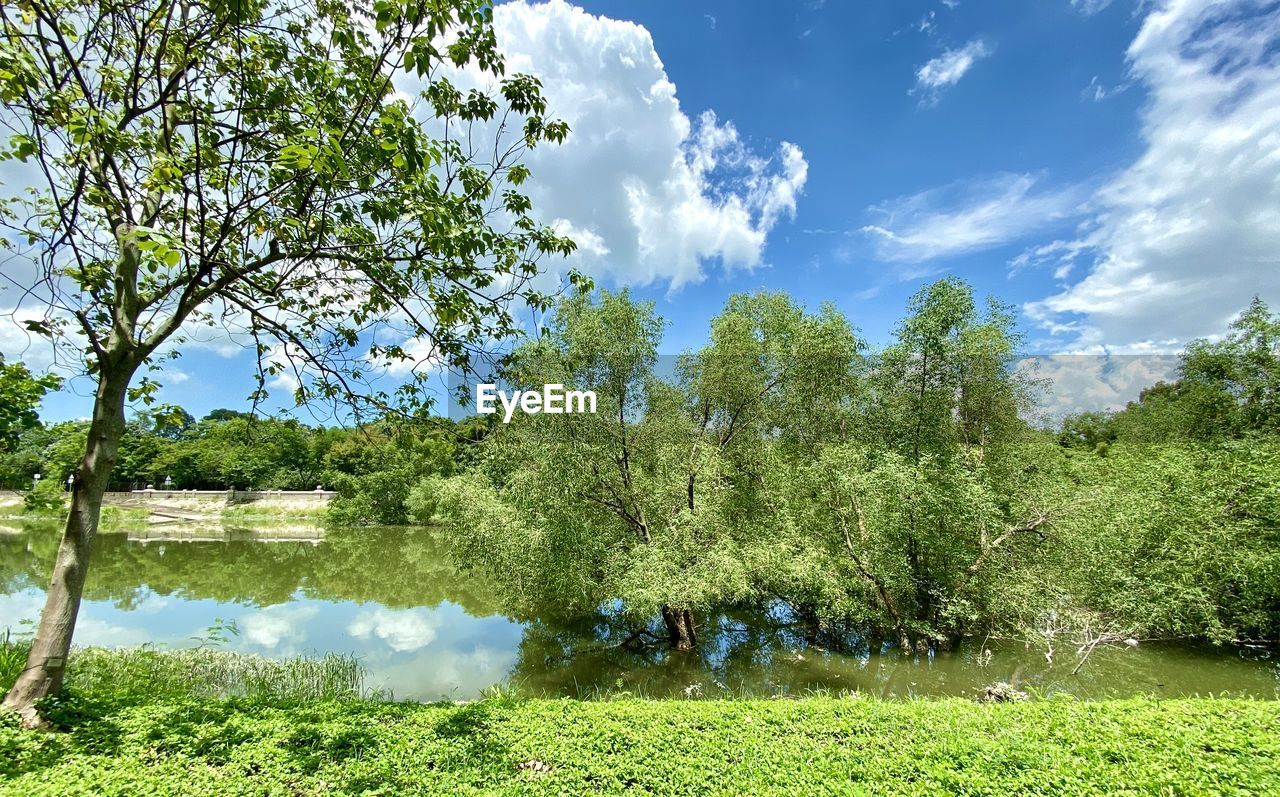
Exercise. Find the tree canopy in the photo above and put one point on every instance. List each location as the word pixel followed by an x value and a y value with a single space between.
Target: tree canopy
pixel 257 169
pixel 896 494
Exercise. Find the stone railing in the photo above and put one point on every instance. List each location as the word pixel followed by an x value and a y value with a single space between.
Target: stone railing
pixel 209 499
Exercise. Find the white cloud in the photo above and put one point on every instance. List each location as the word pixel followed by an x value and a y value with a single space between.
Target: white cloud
pixel 1191 230
pixel 967 216
pixel 18 608
pixel 650 194
pixel 1094 382
pixel 927 25
pixel 1089 7
pixel 17 343
pixel 442 672
pixel 947 69
pixel 280 628
pixel 1061 254
pixel 1097 92
pixel 402 630
pixel 288 364
pixel 420 355
pixel 172 376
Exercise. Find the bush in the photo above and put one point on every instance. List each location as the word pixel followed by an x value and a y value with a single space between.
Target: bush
pixel 424 499
pixel 48 497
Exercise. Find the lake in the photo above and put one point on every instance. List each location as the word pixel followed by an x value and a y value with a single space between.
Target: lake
pixel 425 631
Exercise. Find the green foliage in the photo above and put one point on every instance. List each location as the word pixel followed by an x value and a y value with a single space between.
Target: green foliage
pixel 1225 389
pixel 624 747
pixel 20 395
pixel 48 496
pixel 374 470
pixel 778 462
pixel 52 451
pixel 245 453
pixel 895 493
pixel 905 518
pixel 146 675
pixel 1090 431
pixel 1175 541
pixel 279 176
pixel 13 657
pixel 649 501
pixel 423 501
pixel 373 466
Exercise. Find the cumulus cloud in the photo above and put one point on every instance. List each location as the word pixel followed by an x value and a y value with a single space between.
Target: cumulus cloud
pixel 172 376
pixel 1075 383
pixel 420 354
pixel 968 216
pixel 279 628
pixel 17 342
pixel 1191 230
pixel 442 671
pixel 650 194
pixel 402 630
pixel 946 70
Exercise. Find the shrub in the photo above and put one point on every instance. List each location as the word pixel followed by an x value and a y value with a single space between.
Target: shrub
pixel 47 497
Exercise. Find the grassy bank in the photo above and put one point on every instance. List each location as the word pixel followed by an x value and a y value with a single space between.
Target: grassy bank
pixel 800 747
pixel 160 723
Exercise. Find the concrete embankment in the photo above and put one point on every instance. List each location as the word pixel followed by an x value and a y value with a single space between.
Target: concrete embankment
pixel 166 506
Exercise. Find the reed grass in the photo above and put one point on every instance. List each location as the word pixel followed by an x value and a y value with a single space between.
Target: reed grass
pixel 148 674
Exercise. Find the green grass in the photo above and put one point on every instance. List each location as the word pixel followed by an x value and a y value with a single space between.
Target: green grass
pixel 250 512
pixel 214 673
pixel 750 747
pixel 113 518
pixel 157 723
pixel 146 675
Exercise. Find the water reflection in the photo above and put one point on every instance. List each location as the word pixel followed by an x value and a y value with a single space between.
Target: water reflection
pixel 426 631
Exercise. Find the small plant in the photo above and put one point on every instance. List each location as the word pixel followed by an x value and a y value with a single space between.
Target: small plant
pixel 218 634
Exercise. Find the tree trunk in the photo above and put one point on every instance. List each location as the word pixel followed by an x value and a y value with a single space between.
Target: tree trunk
pixel 679 628
pixel 46 663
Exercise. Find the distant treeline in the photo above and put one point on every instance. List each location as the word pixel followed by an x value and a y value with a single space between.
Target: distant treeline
pixel 371 466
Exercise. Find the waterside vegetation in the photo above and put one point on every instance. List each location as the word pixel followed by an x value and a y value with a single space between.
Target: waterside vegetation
pixel 905 495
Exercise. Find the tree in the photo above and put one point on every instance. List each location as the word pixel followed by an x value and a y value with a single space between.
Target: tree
pixel 251 166
pixel 1234 384
pixel 375 467
pixel 1225 389
pixel 909 513
pixel 582 509
pixel 654 502
pixel 20 395
pixel 1091 431
pixel 1176 540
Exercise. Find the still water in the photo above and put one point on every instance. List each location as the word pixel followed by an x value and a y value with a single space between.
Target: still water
pixel 424 631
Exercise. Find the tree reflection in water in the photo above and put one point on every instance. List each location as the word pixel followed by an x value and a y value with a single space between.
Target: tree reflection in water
pixel 392 573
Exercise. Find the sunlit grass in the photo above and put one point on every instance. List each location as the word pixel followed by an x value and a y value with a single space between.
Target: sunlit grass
pixel 147 674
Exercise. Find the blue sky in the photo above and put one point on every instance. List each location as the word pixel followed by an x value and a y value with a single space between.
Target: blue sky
pixel 1109 168
pixel 837 80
